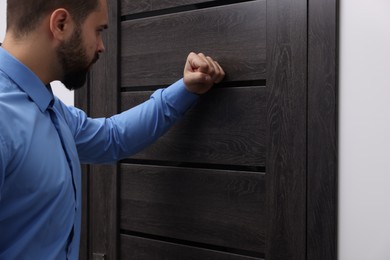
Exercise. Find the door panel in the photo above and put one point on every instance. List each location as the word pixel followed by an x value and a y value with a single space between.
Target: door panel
pixel 142 248
pixel 154 49
pixel 241 176
pixel 141 6
pixel 224 128
pixel 216 207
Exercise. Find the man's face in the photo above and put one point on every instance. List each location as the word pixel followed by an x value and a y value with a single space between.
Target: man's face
pixel 74 61
pixel 81 50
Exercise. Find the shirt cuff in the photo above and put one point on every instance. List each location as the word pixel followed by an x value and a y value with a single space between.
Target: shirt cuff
pixel 179 97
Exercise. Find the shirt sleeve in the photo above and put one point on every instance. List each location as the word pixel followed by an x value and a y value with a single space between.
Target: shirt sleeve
pixel 104 140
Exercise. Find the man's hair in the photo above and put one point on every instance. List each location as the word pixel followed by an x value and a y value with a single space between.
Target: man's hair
pixel 23 16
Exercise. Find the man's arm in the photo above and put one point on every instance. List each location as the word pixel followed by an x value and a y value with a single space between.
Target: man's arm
pixel 104 140
pixel 110 139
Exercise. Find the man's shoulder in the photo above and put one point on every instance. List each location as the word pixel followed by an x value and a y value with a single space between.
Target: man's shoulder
pixel 16 109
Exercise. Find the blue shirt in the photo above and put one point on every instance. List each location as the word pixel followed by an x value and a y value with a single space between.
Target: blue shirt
pixel 43 141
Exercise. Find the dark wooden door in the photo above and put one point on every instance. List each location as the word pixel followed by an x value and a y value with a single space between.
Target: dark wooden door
pixel 250 172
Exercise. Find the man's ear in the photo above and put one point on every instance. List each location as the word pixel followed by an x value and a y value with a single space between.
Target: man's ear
pixel 61 24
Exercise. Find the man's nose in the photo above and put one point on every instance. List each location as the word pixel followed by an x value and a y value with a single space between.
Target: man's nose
pixel 100 47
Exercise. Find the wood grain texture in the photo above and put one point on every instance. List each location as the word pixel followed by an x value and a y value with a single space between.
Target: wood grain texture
pixel 103 178
pixel 147 249
pixel 140 6
pixel 154 50
pixel 227 127
pixel 221 208
pixel 322 130
pixel 286 129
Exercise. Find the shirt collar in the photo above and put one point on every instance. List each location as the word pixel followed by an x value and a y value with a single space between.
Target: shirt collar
pixel 26 80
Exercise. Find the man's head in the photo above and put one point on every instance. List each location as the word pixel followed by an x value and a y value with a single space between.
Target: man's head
pixel 70 27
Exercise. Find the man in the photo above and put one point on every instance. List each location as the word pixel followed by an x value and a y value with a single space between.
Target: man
pixel 42 141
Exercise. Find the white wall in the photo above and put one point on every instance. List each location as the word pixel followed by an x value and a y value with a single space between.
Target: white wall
pixel 63 93
pixel 59 90
pixel 2 18
pixel 364 173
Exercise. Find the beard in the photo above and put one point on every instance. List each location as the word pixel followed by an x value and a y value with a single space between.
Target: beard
pixel 74 60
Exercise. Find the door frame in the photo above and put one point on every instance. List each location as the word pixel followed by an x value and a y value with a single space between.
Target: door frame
pixel 302 155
